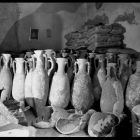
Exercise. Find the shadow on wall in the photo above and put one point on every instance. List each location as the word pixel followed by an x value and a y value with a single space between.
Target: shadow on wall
pixel 40 21
pixel 10 42
pixel 17 38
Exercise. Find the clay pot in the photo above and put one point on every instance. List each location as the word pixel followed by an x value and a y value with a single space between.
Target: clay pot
pixel 101 71
pixel 43 121
pixel 82 94
pixel 51 66
pixel 18 89
pixel 28 55
pixel 51 55
pixel 6 77
pixel 124 64
pixel 112 99
pixel 102 124
pixel 40 81
pixel 60 87
pixel 99 77
pixel 91 56
pixel 74 123
pixel 68 54
pixel 53 114
pixel 132 90
pixel 29 98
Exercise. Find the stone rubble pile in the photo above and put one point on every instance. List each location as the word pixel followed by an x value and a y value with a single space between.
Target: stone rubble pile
pixel 93 36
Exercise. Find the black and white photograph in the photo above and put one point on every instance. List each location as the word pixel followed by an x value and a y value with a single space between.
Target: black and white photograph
pixel 70 69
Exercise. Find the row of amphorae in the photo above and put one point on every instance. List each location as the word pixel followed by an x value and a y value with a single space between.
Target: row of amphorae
pixel 102 81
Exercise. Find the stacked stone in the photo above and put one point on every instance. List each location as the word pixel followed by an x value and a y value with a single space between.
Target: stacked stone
pixel 77 39
pixel 106 36
pixel 94 36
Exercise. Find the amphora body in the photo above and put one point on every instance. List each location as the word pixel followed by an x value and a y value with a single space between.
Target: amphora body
pixel 6 81
pixel 60 87
pixel 82 95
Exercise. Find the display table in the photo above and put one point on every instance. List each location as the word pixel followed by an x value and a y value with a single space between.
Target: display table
pixel 51 132
pixel 13 130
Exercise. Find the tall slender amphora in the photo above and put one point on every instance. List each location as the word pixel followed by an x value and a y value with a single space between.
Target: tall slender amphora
pixel 19 69
pixel 112 99
pixel 67 53
pixel 60 88
pixel 82 95
pixel 51 56
pixel 29 98
pixel 91 56
pixel 40 82
pixel 99 75
pixel 124 69
pixel 133 88
pixel 6 77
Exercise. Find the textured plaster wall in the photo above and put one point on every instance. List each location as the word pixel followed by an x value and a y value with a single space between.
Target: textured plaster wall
pixel 129 17
pixel 16 19
pixel 55 16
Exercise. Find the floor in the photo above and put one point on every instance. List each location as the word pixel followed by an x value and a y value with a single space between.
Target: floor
pixel 123 130
pixel 52 132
